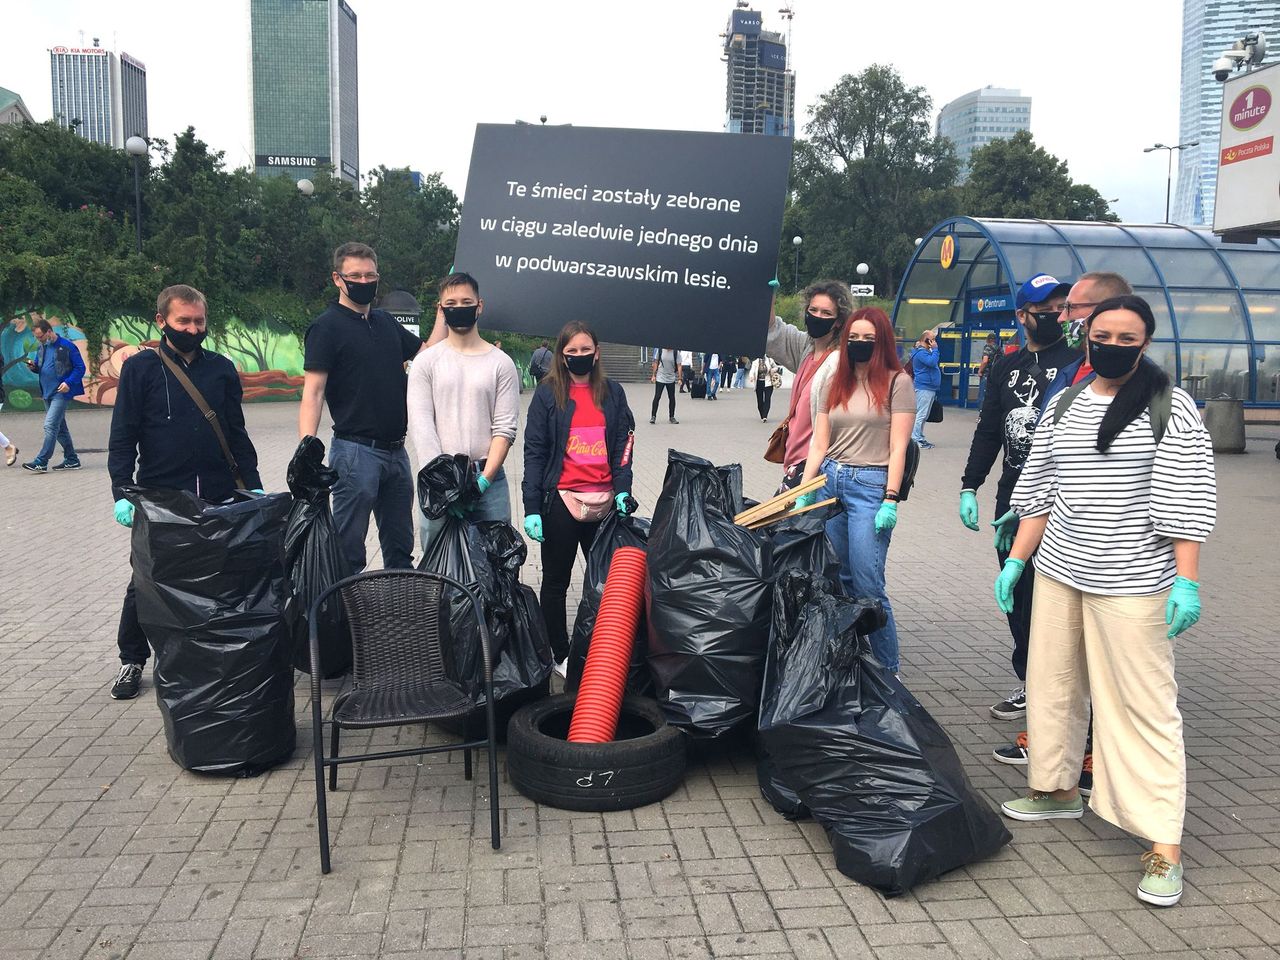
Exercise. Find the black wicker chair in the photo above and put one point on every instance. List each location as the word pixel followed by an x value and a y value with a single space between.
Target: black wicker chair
pixel 398 676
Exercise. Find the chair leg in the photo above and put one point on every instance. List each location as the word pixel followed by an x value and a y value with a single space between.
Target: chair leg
pixel 333 752
pixel 322 810
pixel 466 763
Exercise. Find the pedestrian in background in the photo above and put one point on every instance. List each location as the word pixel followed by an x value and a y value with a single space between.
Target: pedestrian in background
pixel 928 378
pixel 61 370
pixel 158 426
pixel 686 370
pixel 859 444
pixel 742 365
pixel 578 444
pixel 761 376
pixel 662 374
pixel 10 450
pixel 990 350
pixel 711 367
pixel 1116 497
pixel 540 362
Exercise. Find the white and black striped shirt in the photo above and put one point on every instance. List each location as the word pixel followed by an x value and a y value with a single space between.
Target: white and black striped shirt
pixel 1113 516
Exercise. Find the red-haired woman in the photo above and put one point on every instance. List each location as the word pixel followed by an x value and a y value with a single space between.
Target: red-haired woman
pixel 860 437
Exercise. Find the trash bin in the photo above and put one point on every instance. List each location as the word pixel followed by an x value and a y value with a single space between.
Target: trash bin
pixel 1224 419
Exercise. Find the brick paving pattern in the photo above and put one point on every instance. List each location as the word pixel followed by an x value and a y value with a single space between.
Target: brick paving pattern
pixel 109 851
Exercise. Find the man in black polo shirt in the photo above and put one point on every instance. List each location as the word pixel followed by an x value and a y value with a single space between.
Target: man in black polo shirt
pixel 355 359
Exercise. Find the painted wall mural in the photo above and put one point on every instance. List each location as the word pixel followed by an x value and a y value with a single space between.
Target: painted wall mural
pixel 268 356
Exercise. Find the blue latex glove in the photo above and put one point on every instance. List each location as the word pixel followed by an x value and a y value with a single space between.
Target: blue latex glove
pixel 886 516
pixel 1183 609
pixel 533 527
pixel 1005 583
pixel 483 483
pixel 806 500
pixel 124 516
pixel 263 492
pixel 1006 530
pixel 969 509
pixel 620 501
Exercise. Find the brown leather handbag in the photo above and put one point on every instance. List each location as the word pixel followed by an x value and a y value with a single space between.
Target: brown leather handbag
pixel 776 449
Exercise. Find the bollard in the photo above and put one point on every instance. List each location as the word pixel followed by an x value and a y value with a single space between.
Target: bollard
pixel 1224 419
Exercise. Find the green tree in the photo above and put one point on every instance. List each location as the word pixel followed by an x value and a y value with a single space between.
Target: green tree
pixel 870 178
pixel 413 229
pixel 1015 178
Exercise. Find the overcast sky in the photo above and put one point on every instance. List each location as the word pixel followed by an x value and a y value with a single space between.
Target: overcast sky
pixel 1103 75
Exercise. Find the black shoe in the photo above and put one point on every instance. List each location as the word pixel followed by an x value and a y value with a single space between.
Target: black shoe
pixel 1015 753
pixel 1086 776
pixel 35 467
pixel 128 682
pixel 653 419
pixel 1013 707
pixel 66 465
pixel 673 420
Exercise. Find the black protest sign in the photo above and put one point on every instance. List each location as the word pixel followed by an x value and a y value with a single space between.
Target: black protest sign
pixel 653 237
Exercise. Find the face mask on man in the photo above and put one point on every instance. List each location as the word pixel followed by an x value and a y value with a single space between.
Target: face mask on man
pixel 1047 329
pixel 460 318
pixel 860 351
pixel 580 365
pixel 361 293
pixel 1112 361
pixel 184 341
pixel 818 327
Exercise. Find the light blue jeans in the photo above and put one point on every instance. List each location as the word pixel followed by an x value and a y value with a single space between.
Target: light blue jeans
pixel 55 430
pixel 713 382
pixel 494 505
pixel 924 400
pixel 861 550
pixel 740 379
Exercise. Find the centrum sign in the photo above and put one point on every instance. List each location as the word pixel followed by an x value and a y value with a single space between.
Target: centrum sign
pixel 1250 108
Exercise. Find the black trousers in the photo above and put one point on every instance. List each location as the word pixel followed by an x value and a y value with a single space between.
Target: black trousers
pixel 658 387
pixel 686 377
pixel 129 636
pixel 563 537
pixel 1020 617
pixel 764 396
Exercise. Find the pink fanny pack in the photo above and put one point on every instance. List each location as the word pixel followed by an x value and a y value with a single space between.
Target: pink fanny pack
pixel 587 506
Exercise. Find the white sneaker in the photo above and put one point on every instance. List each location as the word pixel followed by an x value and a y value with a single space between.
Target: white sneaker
pixel 561 668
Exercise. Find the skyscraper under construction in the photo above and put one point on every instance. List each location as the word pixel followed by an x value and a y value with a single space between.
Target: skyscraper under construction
pixel 760 88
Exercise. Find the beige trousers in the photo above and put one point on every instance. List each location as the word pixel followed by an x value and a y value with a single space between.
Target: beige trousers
pixel 1113 650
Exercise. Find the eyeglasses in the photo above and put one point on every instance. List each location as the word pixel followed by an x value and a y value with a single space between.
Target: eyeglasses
pixel 1070 308
pixel 359 277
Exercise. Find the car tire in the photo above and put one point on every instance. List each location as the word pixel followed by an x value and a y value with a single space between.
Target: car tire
pixel 644 765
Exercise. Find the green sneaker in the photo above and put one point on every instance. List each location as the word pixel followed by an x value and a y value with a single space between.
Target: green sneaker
pixel 1041 806
pixel 1162 882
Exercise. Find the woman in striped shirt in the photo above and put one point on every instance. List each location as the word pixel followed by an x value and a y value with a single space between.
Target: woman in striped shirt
pixel 1118 493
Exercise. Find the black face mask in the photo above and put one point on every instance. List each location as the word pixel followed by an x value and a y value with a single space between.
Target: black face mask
pixel 1111 361
pixel 581 365
pixel 818 327
pixel 182 341
pixel 361 293
pixel 1047 329
pixel 460 318
pixel 860 351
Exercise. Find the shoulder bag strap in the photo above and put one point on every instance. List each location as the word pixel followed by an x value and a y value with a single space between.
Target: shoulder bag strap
pixel 1068 398
pixel 206 412
pixel 1161 410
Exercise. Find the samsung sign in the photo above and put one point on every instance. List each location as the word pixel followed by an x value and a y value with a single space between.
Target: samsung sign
pixel 302 160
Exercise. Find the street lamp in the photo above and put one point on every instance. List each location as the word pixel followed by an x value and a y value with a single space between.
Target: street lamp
pixel 1168 186
pixel 136 147
pixel 795 273
pixel 306 187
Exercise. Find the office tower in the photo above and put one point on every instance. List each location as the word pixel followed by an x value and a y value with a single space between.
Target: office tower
pixel 760 94
pixel 1208 28
pixel 12 109
pixel 304 71
pixel 980 116
pixel 100 94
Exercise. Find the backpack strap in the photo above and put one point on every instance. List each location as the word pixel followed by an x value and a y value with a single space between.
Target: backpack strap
pixel 1067 399
pixel 1161 410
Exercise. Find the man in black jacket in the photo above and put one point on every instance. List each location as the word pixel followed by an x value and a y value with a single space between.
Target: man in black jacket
pixel 1010 410
pixel 158 426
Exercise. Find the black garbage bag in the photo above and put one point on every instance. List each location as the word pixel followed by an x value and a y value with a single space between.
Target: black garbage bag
pixel 614 532
pixel 313 559
pixel 708 602
pixel 215 604
pixel 445 482
pixel 800 543
pixel 487 557
pixel 859 752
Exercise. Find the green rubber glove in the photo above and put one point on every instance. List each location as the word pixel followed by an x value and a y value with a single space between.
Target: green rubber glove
pixel 969 509
pixel 886 516
pixel 806 500
pixel 1183 609
pixel 620 501
pixel 483 483
pixel 124 514
pixel 1006 530
pixel 1005 583
pixel 533 527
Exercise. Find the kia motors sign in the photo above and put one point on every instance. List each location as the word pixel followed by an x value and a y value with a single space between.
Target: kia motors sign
pixel 1248 193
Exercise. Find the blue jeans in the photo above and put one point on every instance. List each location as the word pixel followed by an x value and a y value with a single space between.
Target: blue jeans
pixel 924 400
pixel 55 431
pixel 740 379
pixel 713 382
pixel 494 505
pixel 378 482
pixel 861 550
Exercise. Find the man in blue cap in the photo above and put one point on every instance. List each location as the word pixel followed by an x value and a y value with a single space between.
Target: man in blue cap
pixel 1016 385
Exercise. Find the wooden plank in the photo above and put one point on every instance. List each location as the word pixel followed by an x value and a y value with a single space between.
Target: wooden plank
pixel 759 524
pixel 779 503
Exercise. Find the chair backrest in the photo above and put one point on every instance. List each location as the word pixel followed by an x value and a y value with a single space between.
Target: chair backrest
pixel 396 632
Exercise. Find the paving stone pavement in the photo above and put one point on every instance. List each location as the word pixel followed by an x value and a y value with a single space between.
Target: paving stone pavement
pixel 109 851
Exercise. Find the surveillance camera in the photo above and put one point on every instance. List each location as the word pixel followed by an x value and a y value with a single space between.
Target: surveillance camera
pixel 1222 68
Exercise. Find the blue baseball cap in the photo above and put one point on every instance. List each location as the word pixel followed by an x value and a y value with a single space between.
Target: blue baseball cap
pixel 1039 289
